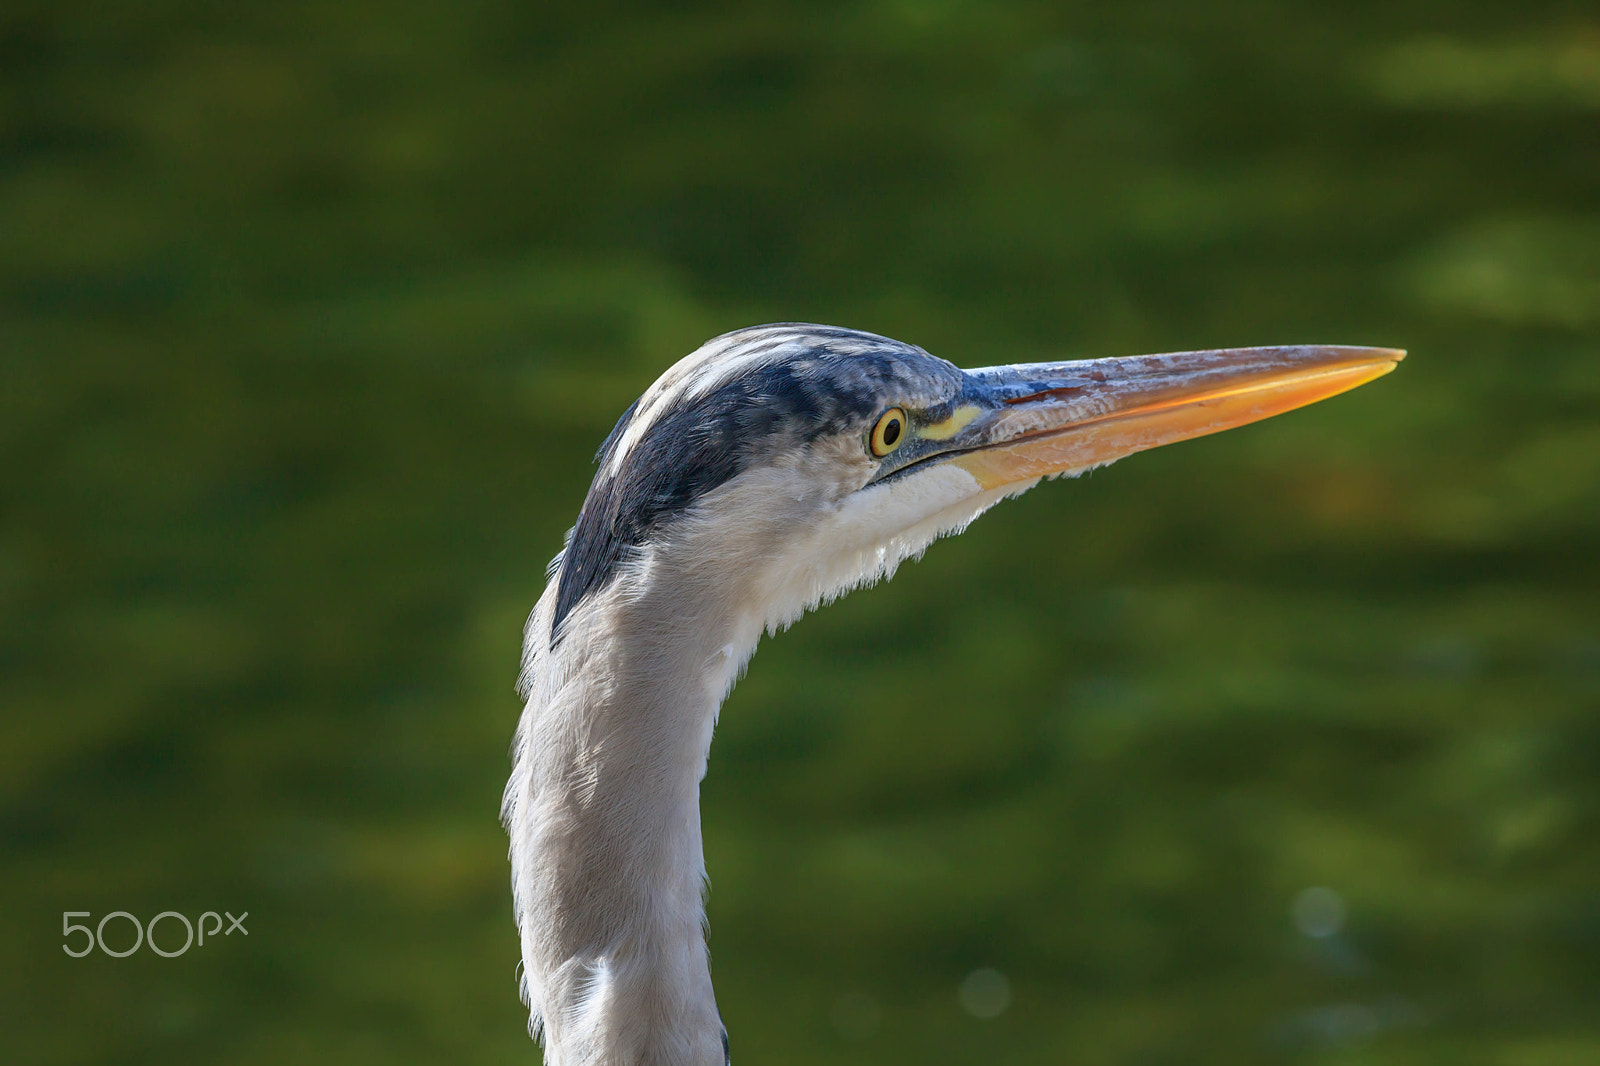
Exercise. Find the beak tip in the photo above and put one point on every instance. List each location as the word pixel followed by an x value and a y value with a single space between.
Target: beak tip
pixel 1358 353
pixel 1391 358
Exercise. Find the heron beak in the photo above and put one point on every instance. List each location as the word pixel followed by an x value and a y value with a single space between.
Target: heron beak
pixel 1017 423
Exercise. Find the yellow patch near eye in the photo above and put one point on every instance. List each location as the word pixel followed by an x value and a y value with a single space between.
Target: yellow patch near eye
pixel 958 420
pixel 891 431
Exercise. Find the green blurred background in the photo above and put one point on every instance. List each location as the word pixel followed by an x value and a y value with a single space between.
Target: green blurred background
pixel 1281 746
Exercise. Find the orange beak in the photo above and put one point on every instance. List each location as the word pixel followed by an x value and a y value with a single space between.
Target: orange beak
pixel 1016 423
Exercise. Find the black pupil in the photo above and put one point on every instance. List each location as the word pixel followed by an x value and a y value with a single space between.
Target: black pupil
pixel 891 431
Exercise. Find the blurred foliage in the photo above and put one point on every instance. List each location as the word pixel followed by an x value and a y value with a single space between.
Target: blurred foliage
pixel 313 315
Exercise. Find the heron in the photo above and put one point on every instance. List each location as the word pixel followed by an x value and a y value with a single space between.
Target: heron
pixel 771 470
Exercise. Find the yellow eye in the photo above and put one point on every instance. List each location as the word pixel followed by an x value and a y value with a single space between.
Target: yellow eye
pixel 890 432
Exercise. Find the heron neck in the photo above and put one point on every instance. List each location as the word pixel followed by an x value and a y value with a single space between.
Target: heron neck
pixel 606 829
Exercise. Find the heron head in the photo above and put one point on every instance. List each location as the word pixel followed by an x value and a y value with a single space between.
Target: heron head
pixel 773 468
pixel 801 461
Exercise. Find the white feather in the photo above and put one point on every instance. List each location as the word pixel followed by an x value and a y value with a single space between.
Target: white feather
pixel 603 803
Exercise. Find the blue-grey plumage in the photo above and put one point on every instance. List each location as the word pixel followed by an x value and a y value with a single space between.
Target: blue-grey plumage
pixel 773 469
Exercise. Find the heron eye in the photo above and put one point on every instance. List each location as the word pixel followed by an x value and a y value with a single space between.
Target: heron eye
pixel 890 432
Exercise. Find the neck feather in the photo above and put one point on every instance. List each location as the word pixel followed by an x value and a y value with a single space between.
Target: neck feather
pixel 603 805
pixel 604 814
